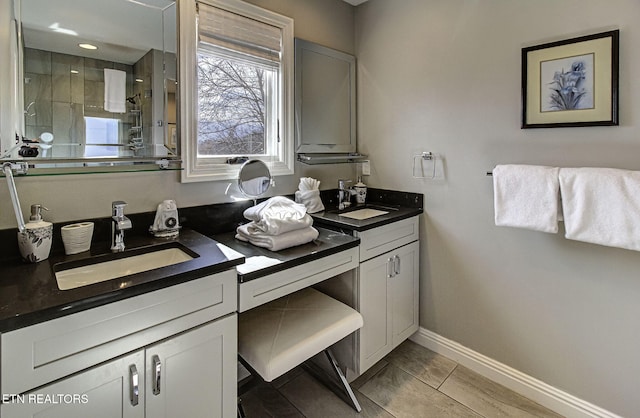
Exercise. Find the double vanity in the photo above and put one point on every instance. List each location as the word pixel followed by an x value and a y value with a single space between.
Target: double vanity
pixel 162 342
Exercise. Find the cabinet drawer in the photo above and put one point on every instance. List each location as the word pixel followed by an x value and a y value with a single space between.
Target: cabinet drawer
pixel 44 352
pixel 374 242
pixel 264 289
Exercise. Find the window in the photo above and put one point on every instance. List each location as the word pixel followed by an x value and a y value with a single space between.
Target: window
pixel 237 73
pixel 98 133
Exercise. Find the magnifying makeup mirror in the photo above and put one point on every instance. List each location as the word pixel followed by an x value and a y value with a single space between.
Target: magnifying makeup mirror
pixel 254 178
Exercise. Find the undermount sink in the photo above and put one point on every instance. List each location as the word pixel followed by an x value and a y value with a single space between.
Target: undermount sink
pixel 365 212
pixel 74 274
pixel 362 214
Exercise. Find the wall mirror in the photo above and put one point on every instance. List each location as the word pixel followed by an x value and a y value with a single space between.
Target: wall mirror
pixel 325 99
pixel 96 80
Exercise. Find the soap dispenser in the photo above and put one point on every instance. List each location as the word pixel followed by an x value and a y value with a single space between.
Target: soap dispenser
pixel 34 242
pixel 361 191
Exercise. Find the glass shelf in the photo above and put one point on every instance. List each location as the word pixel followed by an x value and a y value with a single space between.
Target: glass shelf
pixel 61 167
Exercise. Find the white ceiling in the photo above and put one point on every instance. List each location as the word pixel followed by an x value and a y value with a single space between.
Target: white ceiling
pixel 355 2
pixel 124 30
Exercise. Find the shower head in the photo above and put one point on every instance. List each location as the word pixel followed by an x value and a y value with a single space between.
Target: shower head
pixel 132 99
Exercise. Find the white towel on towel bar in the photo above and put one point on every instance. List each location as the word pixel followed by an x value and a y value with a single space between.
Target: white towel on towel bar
pixel 602 206
pixel 115 86
pixel 526 196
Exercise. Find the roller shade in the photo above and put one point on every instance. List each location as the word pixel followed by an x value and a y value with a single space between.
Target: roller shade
pixel 239 34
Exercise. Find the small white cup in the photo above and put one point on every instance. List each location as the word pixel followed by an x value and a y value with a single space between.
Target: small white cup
pixel 77 237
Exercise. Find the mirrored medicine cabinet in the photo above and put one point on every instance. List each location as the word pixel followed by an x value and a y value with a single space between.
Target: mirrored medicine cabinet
pixel 72 55
pixel 325 104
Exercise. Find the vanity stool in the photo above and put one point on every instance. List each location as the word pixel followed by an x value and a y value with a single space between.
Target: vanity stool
pixel 276 337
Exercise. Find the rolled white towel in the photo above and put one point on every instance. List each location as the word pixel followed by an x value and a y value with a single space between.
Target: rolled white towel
pixel 309 194
pixel 308 183
pixel 310 199
pixel 276 242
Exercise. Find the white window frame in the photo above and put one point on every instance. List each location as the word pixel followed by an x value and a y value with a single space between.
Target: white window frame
pixel 281 161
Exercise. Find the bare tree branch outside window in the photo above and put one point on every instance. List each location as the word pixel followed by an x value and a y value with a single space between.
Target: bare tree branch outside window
pixel 231 108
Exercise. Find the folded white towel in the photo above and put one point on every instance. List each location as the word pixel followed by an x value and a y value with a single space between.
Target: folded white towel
pixel 278 215
pixel 602 206
pixel 526 196
pixel 276 203
pixel 276 226
pixel 115 86
pixel 276 242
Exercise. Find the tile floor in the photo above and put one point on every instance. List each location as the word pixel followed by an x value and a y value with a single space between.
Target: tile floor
pixel 411 381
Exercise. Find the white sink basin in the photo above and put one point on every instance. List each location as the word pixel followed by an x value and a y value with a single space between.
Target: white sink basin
pixel 362 214
pixel 112 269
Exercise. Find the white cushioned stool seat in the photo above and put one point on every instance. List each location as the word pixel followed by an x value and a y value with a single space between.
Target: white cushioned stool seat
pixel 280 335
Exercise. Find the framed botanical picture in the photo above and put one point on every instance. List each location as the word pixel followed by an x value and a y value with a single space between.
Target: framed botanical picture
pixel 573 82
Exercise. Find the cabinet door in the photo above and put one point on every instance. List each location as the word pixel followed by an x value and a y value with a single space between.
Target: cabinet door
pixel 101 392
pixel 403 288
pixel 194 374
pixel 375 334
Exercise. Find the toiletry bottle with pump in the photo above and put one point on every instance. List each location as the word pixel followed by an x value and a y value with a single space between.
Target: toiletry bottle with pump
pixel 361 191
pixel 35 241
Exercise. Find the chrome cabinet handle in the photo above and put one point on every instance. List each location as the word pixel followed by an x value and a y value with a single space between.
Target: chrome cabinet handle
pixel 390 267
pixel 134 385
pixel 396 265
pixel 157 368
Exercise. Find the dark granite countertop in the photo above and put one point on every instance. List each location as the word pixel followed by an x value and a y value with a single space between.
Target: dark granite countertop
pixel 29 292
pixel 399 205
pixel 328 243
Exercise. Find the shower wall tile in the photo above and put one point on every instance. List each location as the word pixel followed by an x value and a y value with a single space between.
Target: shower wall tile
pixel 94 69
pixel 61 66
pixel 77 131
pixel 37 61
pixel 94 95
pixel 61 99
pixel 60 79
pixel 43 114
pixel 77 85
pixel 61 121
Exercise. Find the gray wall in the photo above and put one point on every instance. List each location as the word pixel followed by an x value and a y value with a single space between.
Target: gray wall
pixel 444 76
pixel 328 22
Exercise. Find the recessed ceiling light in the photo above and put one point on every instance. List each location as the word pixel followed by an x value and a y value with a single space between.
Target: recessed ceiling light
pixel 87 46
pixel 74 71
pixel 139 80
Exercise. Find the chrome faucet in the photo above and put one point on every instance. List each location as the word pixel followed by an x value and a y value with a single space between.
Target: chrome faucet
pixel 344 194
pixel 119 223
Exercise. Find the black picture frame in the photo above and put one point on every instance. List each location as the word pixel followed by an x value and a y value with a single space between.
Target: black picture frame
pixel 572 82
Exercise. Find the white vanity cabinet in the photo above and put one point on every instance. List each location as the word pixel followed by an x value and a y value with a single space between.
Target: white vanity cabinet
pixel 166 353
pixel 387 289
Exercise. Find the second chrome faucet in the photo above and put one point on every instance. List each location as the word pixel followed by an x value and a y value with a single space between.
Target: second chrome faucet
pixel 119 223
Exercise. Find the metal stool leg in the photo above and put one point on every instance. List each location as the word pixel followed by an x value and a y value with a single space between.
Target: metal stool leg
pixel 240 409
pixel 343 380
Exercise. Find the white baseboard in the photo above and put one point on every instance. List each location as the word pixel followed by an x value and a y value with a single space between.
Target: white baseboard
pixel 555 399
